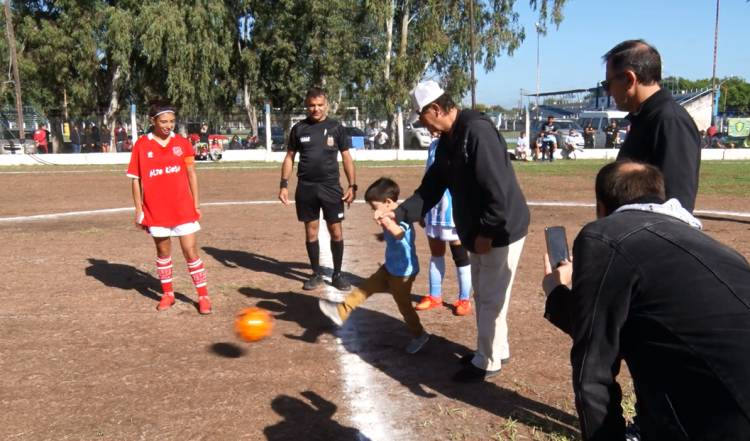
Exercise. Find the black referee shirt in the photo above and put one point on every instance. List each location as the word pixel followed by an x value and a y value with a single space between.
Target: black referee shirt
pixel 318 144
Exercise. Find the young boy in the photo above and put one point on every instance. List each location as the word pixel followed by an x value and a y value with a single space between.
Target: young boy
pixel 397 274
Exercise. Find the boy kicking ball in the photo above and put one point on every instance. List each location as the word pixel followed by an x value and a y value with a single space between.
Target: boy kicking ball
pixel 397 274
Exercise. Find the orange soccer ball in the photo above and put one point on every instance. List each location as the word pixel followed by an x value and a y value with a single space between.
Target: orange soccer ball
pixel 253 324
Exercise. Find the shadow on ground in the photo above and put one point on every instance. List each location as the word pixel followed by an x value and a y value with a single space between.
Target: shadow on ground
pixel 297 271
pixel 379 340
pixel 309 421
pixel 255 262
pixel 127 278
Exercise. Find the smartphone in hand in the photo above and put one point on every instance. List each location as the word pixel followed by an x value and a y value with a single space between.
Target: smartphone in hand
pixel 557 245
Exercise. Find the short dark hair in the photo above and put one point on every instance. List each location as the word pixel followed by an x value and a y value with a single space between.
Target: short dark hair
pixel 445 101
pixel 621 182
pixel 315 92
pixel 638 56
pixel 382 189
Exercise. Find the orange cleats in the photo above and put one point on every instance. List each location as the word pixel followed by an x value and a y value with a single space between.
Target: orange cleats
pixel 429 302
pixel 166 301
pixel 204 305
pixel 463 307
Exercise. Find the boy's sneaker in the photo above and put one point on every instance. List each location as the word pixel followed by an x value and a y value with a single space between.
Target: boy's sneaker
pixel 204 305
pixel 463 307
pixel 340 282
pixel 417 343
pixel 315 281
pixel 429 302
pixel 166 301
pixel 330 309
pixel 467 359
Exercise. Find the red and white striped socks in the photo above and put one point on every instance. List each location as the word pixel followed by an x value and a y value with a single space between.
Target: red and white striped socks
pixel 198 274
pixel 164 270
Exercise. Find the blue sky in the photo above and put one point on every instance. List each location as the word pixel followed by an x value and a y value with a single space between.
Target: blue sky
pixel 682 31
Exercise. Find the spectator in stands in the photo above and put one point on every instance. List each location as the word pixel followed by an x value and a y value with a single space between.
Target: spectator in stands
pixel 96 139
pixel 235 143
pixel 120 136
pixel 588 136
pixel 611 133
pixel 106 138
pixel 522 148
pixel 40 139
pixel 381 140
pixel 570 147
pixel 76 138
pixel 536 153
pixel 204 133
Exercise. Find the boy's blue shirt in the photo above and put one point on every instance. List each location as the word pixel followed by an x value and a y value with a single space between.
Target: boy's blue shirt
pixel 401 255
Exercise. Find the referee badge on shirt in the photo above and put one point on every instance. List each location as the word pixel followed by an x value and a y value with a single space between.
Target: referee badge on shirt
pixel 330 141
pixel 177 151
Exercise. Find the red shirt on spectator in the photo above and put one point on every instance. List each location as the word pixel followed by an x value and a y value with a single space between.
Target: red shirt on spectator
pixel 40 138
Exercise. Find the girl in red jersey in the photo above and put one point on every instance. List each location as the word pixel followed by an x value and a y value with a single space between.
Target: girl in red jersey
pixel 165 195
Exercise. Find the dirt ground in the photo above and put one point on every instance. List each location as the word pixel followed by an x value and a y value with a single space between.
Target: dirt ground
pixel 85 355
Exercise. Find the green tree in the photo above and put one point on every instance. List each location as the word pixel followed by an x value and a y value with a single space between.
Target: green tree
pixel 431 37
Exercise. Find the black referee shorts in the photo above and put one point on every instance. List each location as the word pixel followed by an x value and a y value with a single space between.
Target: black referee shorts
pixel 311 197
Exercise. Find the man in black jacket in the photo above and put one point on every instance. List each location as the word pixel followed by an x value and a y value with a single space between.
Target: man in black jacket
pixel 489 210
pixel 650 288
pixel 662 133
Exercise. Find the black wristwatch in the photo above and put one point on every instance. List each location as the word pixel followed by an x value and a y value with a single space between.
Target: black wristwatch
pixel 353 187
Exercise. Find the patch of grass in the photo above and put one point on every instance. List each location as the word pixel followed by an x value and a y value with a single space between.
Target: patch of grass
pixel 725 177
pixel 508 432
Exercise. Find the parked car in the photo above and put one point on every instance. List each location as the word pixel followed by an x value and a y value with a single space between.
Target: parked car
pixel 600 119
pixel 356 137
pixel 278 142
pixel 416 137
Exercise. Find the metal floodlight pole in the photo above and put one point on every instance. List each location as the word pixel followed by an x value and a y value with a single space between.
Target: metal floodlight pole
pixel 539 29
pixel 472 49
pixel 714 103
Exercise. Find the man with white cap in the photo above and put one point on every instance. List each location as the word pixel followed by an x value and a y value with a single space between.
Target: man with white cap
pixel 489 210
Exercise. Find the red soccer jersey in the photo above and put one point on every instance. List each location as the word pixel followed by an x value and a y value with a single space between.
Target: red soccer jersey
pixel 167 200
pixel 40 136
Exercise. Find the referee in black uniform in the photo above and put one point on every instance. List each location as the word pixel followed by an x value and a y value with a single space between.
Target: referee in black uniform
pixel 319 140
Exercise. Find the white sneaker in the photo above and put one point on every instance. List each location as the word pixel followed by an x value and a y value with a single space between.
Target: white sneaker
pixel 330 309
pixel 416 344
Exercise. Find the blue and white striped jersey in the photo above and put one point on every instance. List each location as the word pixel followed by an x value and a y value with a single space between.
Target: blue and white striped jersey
pixel 442 213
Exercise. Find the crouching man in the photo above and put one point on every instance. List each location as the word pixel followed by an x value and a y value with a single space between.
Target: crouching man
pixel 648 286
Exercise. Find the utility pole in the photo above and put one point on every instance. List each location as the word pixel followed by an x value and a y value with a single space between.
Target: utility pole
pixel 16 78
pixel 472 49
pixel 714 102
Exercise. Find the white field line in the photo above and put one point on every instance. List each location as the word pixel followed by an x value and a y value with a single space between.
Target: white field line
pixel 39 217
pixel 200 167
pixel 371 415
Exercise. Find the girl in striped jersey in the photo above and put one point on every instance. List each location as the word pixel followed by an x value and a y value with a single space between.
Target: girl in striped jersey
pixel 440 229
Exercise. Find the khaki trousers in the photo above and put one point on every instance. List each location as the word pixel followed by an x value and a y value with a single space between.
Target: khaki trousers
pixel 492 276
pixel 383 281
